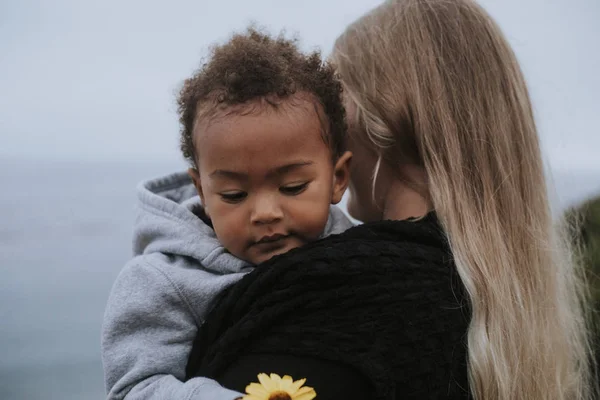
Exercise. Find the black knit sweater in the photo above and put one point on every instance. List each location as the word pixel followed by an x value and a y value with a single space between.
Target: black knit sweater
pixel 376 312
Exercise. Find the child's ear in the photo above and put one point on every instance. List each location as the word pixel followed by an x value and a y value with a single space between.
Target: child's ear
pixel 341 177
pixel 195 175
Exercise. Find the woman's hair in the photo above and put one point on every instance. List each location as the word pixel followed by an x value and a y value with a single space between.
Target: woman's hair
pixel 435 84
pixel 254 65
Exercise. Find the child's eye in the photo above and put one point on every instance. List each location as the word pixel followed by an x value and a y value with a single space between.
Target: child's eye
pixel 233 197
pixel 293 190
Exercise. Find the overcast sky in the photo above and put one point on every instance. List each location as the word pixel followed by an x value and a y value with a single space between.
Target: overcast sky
pixel 97 79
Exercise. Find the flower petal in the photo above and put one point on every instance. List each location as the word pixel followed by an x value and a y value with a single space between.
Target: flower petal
pixel 287 385
pixel 296 385
pixel 266 382
pixel 305 394
pixel 257 390
pixel 252 397
pixel 305 389
pixel 276 379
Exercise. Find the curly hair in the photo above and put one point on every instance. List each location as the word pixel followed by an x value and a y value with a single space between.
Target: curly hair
pixel 254 66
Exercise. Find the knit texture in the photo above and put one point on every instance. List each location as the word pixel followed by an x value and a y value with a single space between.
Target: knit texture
pixel 383 299
pixel 163 294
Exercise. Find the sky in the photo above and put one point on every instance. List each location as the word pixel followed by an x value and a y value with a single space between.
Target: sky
pixel 97 79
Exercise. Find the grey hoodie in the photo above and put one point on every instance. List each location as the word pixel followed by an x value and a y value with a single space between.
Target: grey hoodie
pixel 163 294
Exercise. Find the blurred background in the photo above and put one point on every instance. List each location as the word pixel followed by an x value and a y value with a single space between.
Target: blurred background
pixel 87 110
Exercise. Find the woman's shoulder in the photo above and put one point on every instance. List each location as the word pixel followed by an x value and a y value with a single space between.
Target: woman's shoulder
pixel 427 227
pixel 401 244
pixel 383 298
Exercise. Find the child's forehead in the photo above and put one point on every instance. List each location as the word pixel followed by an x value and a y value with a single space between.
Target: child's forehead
pixel 271 134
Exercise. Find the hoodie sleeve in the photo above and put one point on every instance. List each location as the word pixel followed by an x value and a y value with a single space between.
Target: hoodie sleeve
pixel 147 335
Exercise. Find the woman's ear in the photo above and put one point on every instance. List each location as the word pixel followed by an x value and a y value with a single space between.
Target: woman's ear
pixel 195 175
pixel 341 177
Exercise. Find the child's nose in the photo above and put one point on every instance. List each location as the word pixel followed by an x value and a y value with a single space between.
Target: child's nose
pixel 266 211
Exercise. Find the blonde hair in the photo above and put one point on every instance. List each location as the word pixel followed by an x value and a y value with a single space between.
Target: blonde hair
pixel 435 84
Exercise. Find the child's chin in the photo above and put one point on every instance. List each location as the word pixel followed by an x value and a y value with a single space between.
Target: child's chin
pixel 267 256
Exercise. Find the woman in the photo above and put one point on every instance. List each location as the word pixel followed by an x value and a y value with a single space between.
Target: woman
pixel 476 297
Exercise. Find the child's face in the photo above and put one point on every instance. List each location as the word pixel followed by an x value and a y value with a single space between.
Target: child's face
pixel 266 178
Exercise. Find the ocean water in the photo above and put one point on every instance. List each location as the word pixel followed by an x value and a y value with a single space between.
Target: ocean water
pixel 65 232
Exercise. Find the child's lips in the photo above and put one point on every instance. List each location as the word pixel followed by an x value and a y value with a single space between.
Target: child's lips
pixel 272 238
pixel 271 242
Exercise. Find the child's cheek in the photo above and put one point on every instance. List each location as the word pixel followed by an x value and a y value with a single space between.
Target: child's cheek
pixel 228 226
pixel 311 220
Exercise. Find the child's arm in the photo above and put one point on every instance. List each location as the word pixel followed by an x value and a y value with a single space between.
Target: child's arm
pixel 148 331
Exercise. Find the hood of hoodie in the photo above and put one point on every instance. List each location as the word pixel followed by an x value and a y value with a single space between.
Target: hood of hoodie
pixel 166 223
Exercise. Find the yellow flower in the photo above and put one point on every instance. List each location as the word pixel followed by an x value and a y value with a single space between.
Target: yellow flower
pixel 275 387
